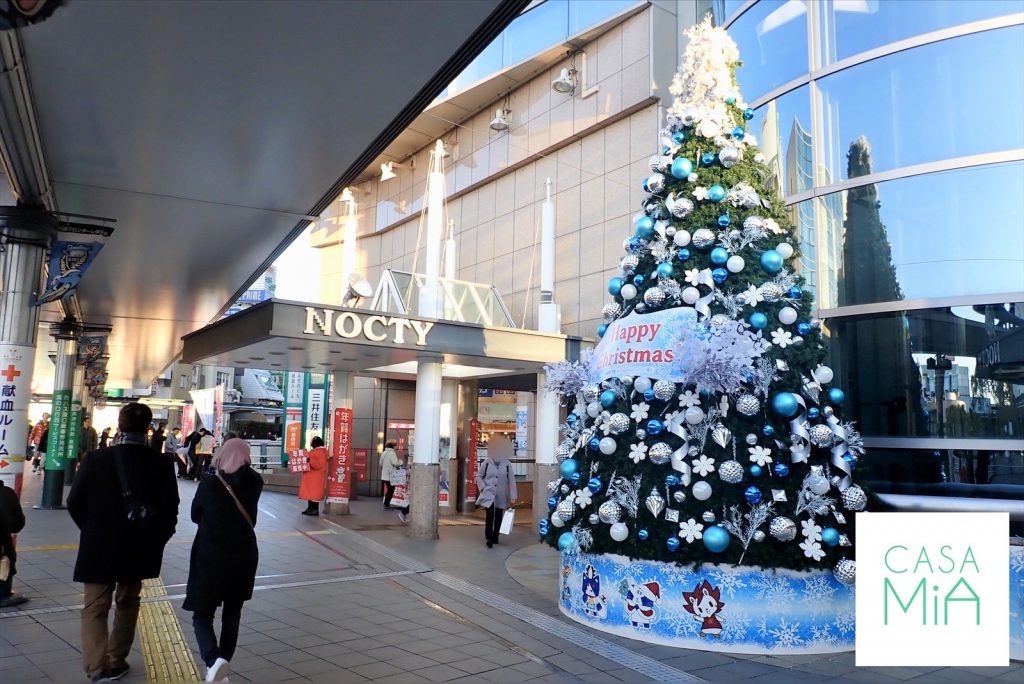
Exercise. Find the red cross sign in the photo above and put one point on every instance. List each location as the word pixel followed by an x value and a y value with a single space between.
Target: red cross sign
pixel 10 373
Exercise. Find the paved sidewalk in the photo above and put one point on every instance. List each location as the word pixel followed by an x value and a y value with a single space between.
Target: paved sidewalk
pixel 360 601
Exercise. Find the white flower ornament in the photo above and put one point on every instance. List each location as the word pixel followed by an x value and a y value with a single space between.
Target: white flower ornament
pixel 691 530
pixel 812 549
pixel 760 455
pixel 639 411
pixel 703 465
pixel 638 452
pixel 583 497
pixel 782 338
pixel 810 529
pixel 688 399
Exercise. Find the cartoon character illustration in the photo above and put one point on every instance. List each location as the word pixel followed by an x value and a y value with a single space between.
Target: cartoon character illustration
pixel 72 259
pixel 640 600
pixel 566 589
pixel 594 604
pixel 704 603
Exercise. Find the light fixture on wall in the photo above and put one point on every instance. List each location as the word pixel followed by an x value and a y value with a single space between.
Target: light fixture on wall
pixel 566 82
pixel 570 80
pixel 500 120
pixel 387 169
pixel 358 289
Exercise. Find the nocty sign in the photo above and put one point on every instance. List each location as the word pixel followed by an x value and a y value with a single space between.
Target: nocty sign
pixel 933 589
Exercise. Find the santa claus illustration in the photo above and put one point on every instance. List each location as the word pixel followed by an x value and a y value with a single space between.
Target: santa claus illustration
pixel 640 600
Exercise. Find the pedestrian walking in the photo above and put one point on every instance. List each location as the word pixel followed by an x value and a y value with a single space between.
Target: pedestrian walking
pixel 388 462
pixel 105 438
pixel 496 486
pixel 40 428
pixel 12 521
pixel 125 502
pixel 204 453
pixel 44 442
pixel 88 440
pixel 156 442
pixel 190 444
pixel 172 447
pixel 222 570
pixel 311 488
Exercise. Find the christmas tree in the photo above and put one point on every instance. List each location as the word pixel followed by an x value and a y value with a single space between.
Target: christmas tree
pixel 704 427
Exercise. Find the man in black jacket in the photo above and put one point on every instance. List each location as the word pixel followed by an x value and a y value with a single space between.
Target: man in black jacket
pixel 190 444
pixel 12 520
pixel 114 554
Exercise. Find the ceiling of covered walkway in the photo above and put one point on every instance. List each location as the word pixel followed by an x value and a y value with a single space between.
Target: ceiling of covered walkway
pixel 210 131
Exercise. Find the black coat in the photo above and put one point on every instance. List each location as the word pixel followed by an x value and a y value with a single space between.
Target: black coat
pixel 224 553
pixel 110 550
pixel 12 520
pixel 191 442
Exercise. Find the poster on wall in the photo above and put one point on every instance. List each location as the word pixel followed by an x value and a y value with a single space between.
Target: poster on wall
pixel 522 427
pixel 360 458
pixel 68 263
pixel 339 487
pixel 218 415
pixel 443 491
pixel 16 363
pixel 188 420
pixel 474 437
pixel 292 429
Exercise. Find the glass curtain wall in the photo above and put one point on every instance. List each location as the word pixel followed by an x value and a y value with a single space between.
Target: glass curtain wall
pixel 895 132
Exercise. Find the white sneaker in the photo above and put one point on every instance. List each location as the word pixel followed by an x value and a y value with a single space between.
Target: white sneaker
pixel 219 671
pixel 401 516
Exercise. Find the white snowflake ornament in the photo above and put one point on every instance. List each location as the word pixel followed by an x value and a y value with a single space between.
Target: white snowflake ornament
pixel 638 452
pixel 688 399
pixel 782 338
pixel 703 465
pixel 810 529
pixel 690 530
pixel 812 549
pixel 760 455
pixel 639 411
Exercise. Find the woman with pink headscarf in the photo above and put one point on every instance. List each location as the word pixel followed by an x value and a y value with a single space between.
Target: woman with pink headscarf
pixel 224 554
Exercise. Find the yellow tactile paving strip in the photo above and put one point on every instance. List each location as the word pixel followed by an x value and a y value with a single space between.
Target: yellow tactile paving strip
pixel 164 649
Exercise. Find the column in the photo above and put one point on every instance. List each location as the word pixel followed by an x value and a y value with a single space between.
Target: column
pixel 469 398
pixel 425 468
pixel 26 233
pixel 447 439
pixel 60 415
pixel 340 487
pixel 545 466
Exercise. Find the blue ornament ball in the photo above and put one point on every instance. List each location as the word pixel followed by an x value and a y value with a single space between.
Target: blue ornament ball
pixel 739 132
pixel 724 220
pixel 672 543
pixel 678 137
pixel 552 503
pixel 645 229
pixel 615 286
pixel 664 270
pixel 655 426
pixel 643 535
pixel 594 485
pixel 716 539
pixel 836 396
pixel 543 526
pixel 572 418
pixel 748 113
pixel 649 395
pixel 755 470
pixel 730 99
pixel 575 479
pixel 602 329
pixel 830 536
pixel 608 398
pixel 708 158
pixel 568 467
pixel 639 280
pixel 719 275
pixel 683 254
pixel 752 494
pixel 719 255
pixel 771 261
pixel 716 193
pixel 768 431
pixel 634 245
pixel 758 321
pixel 803 328
pixel 594 444
pixel 813 413
pixel 672 480
pixel 566 541
pixel 795 292
pixel 785 404
pixel 781 470
pixel 681 167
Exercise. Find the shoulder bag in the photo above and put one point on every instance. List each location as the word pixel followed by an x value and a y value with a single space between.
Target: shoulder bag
pixel 139 515
pixel 241 508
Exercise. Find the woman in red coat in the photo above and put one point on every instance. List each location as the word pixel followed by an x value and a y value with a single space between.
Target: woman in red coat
pixel 313 480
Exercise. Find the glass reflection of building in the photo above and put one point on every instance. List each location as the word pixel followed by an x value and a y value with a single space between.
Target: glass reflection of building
pixel 902 171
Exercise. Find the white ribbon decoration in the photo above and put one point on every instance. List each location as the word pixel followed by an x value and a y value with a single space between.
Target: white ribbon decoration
pixel 800 450
pixel 838 451
pixel 701 305
pixel 679 463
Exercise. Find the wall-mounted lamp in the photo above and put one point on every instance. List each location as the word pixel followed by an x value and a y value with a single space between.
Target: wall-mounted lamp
pixel 500 120
pixel 566 82
pixel 387 169
pixel 570 80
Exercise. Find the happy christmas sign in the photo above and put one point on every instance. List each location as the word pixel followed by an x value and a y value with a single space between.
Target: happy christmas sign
pixel 641 345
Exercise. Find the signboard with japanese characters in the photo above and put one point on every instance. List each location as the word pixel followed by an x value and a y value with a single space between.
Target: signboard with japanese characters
pixel 339 486
pixel 474 437
pixel 15 392
pixel 314 413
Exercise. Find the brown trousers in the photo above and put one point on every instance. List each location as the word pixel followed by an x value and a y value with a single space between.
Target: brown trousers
pixel 103 649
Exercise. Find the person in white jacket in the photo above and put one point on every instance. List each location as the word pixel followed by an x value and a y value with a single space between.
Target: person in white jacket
pixel 388 462
pixel 496 486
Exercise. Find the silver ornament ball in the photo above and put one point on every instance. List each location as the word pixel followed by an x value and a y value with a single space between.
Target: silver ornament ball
pixel 659 453
pixel 609 512
pixel 854 498
pixel 611 311
pixel 846 572
pixel 619 422
pixel 679 206
pixel 654 297
pixel 679 496
pixel 591 393
pixel 703 238
pixel 759 536
pixel 565 510
pixel 821 435
pixel 751 439
pixel 629 263
pixel 782 529
pixel 708 517
pixel 729 156
pixel 731 472
pixel 748 404
pixel 693 452
pixel 753 223
pixel 772 292
pixel 664 389
pixel 594 518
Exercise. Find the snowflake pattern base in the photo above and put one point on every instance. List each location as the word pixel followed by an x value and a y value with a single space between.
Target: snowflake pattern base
pixel 1017 602
pixel 734 609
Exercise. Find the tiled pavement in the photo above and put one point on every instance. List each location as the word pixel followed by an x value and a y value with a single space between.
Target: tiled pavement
pixel 370 604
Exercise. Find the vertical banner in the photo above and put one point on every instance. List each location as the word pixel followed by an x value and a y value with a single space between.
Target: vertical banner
pixel 204 403
pixel 60 416
pixel 522 427
pixel 68 263
pixel 218 415
pixel 360 459
pixel 15 391
pixel 474 437
pixel 292 429
pixel 443 491
pixel 91 348
pixel 339 488
pixel 315 413
pixel 188 420
pixel 294 393
pixel 74 433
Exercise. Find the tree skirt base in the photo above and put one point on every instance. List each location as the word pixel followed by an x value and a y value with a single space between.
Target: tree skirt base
pixel 757 611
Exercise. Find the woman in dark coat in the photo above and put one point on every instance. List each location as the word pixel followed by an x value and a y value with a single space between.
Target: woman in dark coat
pixel 224 554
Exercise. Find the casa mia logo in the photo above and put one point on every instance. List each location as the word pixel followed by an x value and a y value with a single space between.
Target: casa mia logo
pixel 933 589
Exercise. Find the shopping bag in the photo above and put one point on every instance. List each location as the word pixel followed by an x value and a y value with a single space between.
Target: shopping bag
pixel 399 480
pixel 507 521
pixel 298 461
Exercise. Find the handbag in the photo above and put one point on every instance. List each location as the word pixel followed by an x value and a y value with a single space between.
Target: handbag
pixel 508 519
pixel 139 515
pixel 241 508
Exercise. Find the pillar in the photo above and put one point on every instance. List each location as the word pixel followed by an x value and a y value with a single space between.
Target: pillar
pixel 60 415
pixel 342 393
pixel 545 466
pixel 469 399
pixel 26 233
pixel 425 468
pixel 75 423
pixel 447 442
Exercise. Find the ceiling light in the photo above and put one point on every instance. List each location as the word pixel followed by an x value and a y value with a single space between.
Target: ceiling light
pixel 566 81
pixel 500 120
pixel 387 171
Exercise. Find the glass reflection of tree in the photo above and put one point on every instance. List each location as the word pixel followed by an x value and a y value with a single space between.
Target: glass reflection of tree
pixel 879 370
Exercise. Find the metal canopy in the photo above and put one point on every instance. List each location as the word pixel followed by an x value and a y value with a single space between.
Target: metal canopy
pixel 283 335
pixel 209 131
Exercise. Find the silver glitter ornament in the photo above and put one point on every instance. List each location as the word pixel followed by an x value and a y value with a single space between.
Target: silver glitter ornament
pixel 591 393
pixel 619 423
pixel 854 498
pixel 610 512
pixel 611 311
pixel 846 572
pixel 655 503
pixel 751 439
pixel 562 452
pixel 679 496
pixel 594 518
pixel 759 536
pixel 626 380
pixel 553 486
pixel 771 292
pixel 693 452
pixel 753 223
pixel 731 472
pixel 782 529
pixel 659 453
pixel 664 389
pixel 565 510
pixel 821 435
pixel 658 163
pixel 679 206
pixel 640 307
pixel 654 297
pixel 729 156
pixel 703 238
pixel 748 404
pixel 629 263
pixel 718 320
pixel 655 183
pixel 593 409
pixel 708 517
pixel 721 435
pixel 641 434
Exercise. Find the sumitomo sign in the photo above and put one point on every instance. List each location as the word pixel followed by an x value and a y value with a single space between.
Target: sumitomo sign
pixel 351 325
